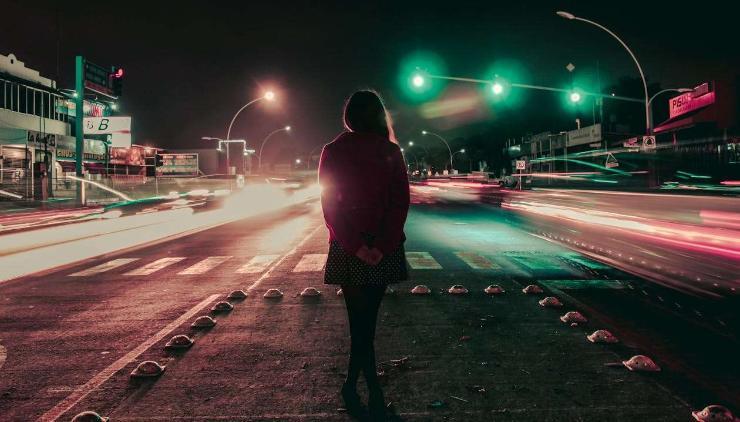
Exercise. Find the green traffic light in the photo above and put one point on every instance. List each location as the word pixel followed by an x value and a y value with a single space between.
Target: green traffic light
pixel 418 80
pixel 575 97
pixel 497 88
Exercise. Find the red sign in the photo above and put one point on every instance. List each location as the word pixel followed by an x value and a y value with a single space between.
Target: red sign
pixel 689 101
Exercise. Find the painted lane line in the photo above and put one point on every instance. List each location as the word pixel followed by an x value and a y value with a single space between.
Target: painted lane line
pixel 257 264
pixel 104 267
pixel 422 261
pixel 205 265
pixel 477 262
pixel 311 263
pixel 282 259
pixel 80 393
pixel 3 355
pixel 155 266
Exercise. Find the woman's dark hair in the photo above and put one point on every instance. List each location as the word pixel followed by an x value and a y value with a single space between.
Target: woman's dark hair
pixel 364 112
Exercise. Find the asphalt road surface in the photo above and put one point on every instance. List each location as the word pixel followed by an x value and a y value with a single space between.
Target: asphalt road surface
pixel 69 338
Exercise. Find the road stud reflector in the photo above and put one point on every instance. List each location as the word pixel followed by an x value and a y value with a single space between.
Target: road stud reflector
pixel 602 336
pixel 273 294
pixel 420 289
pixel 641 363
pixel 147 369
pixel 310 292
pixel 550 302
pixel 237 295
pixel 222 307
pixel 494 289
pixel 203 321
pixel 573 317
pixel 457 289
pixel 89 416
pixel 532 289
pixel 714 413
pixel 179 342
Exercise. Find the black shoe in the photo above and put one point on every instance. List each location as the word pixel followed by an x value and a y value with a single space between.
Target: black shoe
pixel 352 402
pixel 376 405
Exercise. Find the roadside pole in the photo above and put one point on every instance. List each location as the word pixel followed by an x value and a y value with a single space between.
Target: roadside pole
pixel 79 126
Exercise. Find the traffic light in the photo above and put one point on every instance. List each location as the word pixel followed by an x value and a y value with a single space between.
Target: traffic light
pixel 116 81
pixel 574 97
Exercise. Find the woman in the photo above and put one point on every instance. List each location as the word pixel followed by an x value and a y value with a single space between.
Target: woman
pixel 365 198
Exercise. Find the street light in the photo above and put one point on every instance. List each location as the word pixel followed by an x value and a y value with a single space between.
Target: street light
pixel 269 96
pixel 264 141
pixel 424 132
pixel 571 16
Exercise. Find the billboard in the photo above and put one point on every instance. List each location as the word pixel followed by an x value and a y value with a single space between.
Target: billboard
pixel 700 97
pixel 133 156
pixel 177 165
pixel 585 135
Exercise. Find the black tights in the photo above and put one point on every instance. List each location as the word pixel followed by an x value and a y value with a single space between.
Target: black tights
pixel 362 303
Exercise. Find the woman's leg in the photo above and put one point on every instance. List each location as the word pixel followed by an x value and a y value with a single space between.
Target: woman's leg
pixel 374 296
pixel 356 302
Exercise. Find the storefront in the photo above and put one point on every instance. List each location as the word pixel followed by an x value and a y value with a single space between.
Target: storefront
pixel 701 136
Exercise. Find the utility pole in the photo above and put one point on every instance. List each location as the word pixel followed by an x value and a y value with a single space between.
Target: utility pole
pixel 79 126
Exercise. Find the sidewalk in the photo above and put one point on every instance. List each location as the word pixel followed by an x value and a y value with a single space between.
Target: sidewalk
pixel 285 359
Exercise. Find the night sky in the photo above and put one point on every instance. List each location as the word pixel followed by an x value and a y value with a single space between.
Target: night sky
pixel 190 65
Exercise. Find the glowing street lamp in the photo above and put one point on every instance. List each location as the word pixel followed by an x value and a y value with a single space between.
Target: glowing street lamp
pixel 269 96
pixel 424 132
pixel 264 141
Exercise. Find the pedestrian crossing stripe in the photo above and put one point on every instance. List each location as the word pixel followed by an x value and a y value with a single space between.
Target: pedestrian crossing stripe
pixel 477 262
pixel 257 264
pixel 205 265
pixel 155 266
pixel 584 284
pixel 310 262
pixel 422 261
pixel 535 263
pixel 107 266
pixel 588 263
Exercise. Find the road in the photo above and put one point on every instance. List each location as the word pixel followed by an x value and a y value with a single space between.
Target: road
pixel 72 335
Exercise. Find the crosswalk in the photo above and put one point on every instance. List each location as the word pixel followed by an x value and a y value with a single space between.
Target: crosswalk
pixel 315 262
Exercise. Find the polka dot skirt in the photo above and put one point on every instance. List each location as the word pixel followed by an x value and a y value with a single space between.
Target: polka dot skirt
pixel 343 268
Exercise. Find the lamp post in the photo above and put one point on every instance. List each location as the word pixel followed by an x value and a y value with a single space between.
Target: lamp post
pixel 650 102
pixel 571 16
pixel 269 96
pixel 426 132
pixel 462 151
pixel 264 141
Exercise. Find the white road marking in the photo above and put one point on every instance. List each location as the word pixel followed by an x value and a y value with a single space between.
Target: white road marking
pixel 477 262
pixel 3 355
pixel 205 265
pixel 422 261
pixel 257 264
pixel 104 267
pixel 310 263
pixel 63 406
pixel 155 266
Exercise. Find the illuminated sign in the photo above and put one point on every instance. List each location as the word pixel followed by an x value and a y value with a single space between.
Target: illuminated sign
pixel 178 165
pixel 700 97
pixel 585 135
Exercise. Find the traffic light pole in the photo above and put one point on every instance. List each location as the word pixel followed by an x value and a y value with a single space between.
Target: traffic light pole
pixel 79 101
